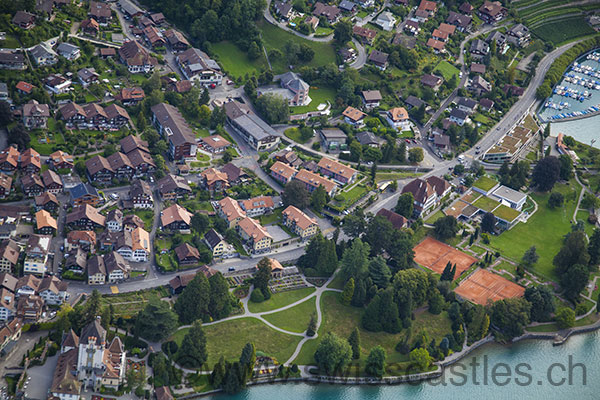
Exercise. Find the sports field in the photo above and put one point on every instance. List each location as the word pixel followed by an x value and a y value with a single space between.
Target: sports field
pixel 484 286
pixel 434 255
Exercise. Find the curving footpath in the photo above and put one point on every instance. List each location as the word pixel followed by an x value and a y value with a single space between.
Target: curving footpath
pixel 259 315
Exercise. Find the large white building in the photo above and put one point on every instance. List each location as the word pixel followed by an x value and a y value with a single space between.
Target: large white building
pixel 88 362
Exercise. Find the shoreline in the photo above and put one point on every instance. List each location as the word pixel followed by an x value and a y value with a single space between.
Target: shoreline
pixel 413 378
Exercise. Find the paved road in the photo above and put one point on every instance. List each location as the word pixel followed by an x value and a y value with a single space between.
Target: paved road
pixel 288 253
pixel 361 57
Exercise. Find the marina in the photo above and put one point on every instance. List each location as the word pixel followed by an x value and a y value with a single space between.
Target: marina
pixel 576 96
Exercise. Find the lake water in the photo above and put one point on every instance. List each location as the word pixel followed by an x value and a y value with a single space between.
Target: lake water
pixel 527 370
pixel 582 130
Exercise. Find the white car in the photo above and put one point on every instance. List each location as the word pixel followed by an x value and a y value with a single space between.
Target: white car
pixel 114 196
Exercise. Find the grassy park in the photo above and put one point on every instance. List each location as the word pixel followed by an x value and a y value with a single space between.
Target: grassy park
pixel 342 319
pixel 276 38
pixel 229 337
pixel 280 300
pixel 544 230
pixel 294 319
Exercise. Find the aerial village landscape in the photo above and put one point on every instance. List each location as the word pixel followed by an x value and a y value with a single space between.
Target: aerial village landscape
pixel 197 197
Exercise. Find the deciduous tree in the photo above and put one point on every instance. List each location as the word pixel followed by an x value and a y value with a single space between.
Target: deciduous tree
pixel 405 205
pixel 333 354
pixel 546 173
pixel 375 365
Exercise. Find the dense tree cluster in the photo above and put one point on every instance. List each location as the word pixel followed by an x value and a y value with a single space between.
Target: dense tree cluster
pixel 320 257
pixel 295 194
pixel 232 376
pixel 445 227
pixel 156 321
pixel 510 316
pixel 273 108
pixel 213 21
pixel 261 281
pixel 514 176
pixel 333 354
pixel 572 264
pixel 204 299
pixel 192 353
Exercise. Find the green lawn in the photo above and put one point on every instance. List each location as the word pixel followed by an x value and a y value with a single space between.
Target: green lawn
pixel 447 70
pixel 274 217
pixel 279 300
pixel 583 215
pixel 235 61
pixel 228 338
pixel 10 42
pixel 434 217
pixel 350 197
pixel 337 282
pixel 147 216
pixel 294 134
pixel 342 319
pixel 275 38
pixel 485 203
pixel 506 213
pixel 485 183
pixel 323 31
pixel 294 319
pixel 503 265
pixel 321 95
pixel 544 230
pixel 477 249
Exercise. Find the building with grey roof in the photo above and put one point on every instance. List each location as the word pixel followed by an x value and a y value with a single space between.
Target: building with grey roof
pixel 198 67
pixel 253 130
pixel 43 55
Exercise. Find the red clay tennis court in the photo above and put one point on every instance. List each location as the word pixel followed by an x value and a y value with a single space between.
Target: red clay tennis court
pixel 483 286
pixel 434 255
